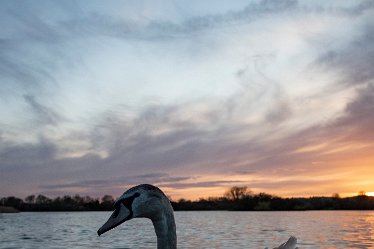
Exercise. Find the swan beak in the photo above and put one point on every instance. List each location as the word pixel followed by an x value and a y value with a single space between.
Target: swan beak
pixel 120 215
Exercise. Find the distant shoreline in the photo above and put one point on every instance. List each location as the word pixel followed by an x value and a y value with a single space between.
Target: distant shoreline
pixel 248 202
pixel 5 210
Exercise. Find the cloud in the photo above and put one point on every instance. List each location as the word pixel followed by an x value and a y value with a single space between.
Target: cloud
pixel 202 184
pixel 18 75
pixel 94 24
pixel 158 177
pixel 24 63
pixel 26 154
pixel 358 121
pixel 118 182
pixel 150 29
pixel 146 146
pixel 281 113
pixel 352 63
pixel 68 23
pixel 74 21
pixel 260 130
pixel 45 114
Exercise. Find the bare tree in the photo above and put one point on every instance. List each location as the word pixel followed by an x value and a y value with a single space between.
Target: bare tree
pixel 30 199
pixel 236 193
pixel 41 199
pixel 107 199
pixel 107 202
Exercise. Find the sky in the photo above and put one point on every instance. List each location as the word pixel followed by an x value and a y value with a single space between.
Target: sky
pixel 192 96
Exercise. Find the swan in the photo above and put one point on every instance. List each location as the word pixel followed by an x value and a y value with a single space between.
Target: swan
pixel 148 201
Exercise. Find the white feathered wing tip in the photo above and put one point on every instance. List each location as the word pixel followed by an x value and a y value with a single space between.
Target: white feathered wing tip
pixel 290 244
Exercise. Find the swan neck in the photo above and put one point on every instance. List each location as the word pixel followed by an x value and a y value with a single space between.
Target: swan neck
pixel 165 229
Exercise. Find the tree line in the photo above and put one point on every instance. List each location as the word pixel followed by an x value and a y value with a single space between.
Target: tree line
pixel 242 199
pixel 65 203
pixel 235 199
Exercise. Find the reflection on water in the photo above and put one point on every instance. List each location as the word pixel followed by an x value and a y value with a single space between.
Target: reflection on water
pixel 320 229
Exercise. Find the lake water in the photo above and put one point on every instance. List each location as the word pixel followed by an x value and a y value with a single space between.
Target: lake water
pixel 315 229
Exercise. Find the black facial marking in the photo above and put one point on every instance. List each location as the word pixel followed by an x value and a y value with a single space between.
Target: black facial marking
pixel 127 202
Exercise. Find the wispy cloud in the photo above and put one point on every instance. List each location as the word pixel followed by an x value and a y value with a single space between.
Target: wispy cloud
pixel 204 184
pixel 45 114
pixel 352 62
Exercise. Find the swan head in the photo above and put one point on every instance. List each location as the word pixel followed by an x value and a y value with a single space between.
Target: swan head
pixel 142 201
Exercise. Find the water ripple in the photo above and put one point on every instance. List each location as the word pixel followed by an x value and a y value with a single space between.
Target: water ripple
pixel 321 229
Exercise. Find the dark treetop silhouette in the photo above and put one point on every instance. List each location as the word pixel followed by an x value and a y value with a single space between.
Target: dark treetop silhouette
pixel 236 198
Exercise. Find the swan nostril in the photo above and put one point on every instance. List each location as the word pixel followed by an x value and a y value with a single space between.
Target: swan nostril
pixel 116 212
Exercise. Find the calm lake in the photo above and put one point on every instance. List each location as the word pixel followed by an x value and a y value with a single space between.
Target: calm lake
pixel 316 229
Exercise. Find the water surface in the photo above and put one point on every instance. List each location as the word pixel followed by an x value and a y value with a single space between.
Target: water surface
pixel 213 229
